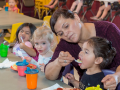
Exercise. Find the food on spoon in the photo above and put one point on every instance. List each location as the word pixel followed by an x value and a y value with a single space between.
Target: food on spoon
pixel 78 60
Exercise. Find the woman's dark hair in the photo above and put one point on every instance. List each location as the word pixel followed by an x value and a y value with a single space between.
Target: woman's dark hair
pixel 30 25
pixel 60 12
pixel 102 48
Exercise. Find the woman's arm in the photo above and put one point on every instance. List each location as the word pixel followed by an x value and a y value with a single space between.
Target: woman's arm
pixel 53 69
pixel 111 81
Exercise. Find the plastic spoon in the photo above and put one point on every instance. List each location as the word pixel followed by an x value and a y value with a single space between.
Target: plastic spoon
pixel 22 39
pixel 78 61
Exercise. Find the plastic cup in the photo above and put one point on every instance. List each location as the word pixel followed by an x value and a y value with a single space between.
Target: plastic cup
pixel 21 68
pixel 6 8
pixel 4 50
pixel 31 78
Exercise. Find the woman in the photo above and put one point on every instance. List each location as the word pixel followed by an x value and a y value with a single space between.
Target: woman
pixel 73 33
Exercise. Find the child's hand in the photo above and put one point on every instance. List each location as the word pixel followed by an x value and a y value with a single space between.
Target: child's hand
pixel 28 59
pixel 22 45
pixel 10 9
pixel 70 77
pixel 42 67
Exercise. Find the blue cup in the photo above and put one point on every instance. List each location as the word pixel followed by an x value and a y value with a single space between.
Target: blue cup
pixel 6 8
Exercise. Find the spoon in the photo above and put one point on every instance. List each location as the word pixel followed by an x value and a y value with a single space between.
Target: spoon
pixel 78 61
pixel 22 39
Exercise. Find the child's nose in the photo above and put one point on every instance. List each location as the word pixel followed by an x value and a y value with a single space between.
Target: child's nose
pixel 39 46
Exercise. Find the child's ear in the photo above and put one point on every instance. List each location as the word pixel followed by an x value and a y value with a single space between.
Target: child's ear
pixel 98 60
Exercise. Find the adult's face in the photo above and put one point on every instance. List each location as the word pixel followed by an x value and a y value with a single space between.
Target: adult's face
pixel 68 29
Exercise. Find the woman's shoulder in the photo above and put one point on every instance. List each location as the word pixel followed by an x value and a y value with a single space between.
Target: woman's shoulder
pixel 102 27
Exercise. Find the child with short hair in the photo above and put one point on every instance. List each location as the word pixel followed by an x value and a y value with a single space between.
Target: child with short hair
pixel 77 3
pixel 105 10
pixel 23 36
pixel 52 4
pixel 43 42
pixel 13 5
pixel 97 53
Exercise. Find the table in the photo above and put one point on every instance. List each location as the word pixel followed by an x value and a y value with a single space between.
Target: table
pixel 9 18
pixel 10 80
pixel 106 1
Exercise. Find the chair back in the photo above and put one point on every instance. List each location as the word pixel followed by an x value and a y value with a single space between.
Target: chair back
pixel 46 19
pixel 12 37
pixel 2 3
pixel 107 72
pixel 115 6
pixel 29 3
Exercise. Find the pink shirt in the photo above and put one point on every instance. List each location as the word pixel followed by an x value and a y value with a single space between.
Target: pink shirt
pixel 14 9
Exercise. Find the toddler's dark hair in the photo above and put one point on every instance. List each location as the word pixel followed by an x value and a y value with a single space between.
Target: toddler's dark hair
pixel 30 25
pixel 102 48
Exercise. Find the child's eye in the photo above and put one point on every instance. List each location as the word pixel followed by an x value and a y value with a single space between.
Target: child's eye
pixel 44 43
pixel 36 43
pixel 86 52
pixel 27 33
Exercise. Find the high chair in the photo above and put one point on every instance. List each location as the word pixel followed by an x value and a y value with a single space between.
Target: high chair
pixel 46 19
pixel 63 3
pixel 27 3
pixel 12 37
pixel 115 7
pixel 88 4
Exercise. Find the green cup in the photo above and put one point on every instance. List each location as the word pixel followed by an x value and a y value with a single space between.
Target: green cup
pixel 4 50
pixel 1 47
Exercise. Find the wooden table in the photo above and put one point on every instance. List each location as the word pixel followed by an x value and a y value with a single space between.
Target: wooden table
pixel 7 18
pixel 106 1
pixel 10 80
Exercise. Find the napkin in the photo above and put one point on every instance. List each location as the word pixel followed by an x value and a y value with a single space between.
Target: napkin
pixel 6 63
pixel 53 87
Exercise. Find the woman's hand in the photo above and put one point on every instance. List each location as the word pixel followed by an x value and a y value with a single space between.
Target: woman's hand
pixel 70 77
pixel 42 67
pixel 28 59
pixel 64 58
pixel 110 81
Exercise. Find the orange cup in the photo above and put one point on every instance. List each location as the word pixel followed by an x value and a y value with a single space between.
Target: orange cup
pixel 31 78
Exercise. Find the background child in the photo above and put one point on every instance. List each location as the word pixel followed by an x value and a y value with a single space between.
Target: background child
pixel 52 4
pixel 25 32
pixel 77 3
pixel 13 5
pixel 97 53
pixel 43 41
pixel 100 17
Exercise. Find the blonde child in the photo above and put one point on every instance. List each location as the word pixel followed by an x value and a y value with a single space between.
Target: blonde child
pixel 105 10
pixel 13 5
pixel 43 41
pixel 77 3
pixel 52 4
pixel 23 36
pixel 97 53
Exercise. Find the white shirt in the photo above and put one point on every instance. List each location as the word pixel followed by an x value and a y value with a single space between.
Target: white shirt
pixel 41 60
